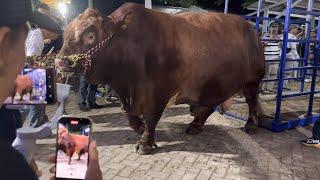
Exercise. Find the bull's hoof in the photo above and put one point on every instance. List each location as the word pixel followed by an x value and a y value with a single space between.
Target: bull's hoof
pixel 193 130
pixel 250 128
pixel 143 148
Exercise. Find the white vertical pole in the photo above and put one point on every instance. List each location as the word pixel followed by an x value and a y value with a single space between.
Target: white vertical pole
pixel 226 6
pixel 265 22
pixel 258 14
pixel 308 17
pixel 90 4
pixel 148 4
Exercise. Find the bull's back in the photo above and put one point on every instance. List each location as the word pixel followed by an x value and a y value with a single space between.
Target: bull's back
pixel 81 142
pixel 217 51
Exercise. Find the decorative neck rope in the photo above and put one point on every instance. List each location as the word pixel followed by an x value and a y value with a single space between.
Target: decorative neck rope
pixel 73 60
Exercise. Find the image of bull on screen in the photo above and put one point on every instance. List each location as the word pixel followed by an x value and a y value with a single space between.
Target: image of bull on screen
pixel 72 149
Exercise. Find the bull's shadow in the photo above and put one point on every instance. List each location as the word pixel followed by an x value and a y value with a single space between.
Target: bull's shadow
pixel 213 139
pixel 110 118
pixel 170 136
pixel 263 153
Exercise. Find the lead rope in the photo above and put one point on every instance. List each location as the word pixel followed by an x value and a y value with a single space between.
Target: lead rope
pixel 73 60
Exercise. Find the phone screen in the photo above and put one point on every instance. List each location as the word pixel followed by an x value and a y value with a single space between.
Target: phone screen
pixel 34 86
pixel 72 147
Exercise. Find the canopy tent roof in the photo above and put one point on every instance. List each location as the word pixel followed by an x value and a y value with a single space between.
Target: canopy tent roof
pixel 279 9
pixel 176 10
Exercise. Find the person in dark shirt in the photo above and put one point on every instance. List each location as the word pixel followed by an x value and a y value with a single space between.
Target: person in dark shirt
pixel 13 31
pixel 53 45
pixel 13 166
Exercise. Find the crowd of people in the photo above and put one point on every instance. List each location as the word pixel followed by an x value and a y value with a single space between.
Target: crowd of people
pixel 295 52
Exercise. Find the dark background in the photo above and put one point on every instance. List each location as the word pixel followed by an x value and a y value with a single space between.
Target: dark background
pixel 108 6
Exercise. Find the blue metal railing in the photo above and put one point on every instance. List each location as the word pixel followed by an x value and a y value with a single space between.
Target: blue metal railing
pixel 304 68
pixel 282 62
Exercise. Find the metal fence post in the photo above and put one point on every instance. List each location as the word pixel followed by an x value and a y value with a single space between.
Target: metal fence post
pixel 258 15
pixel 226 6
pixel 283 61
pixel 306 50
pixel 314 72
pixel 90 4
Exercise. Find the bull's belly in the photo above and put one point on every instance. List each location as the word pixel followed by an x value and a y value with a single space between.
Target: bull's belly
pixel 206 96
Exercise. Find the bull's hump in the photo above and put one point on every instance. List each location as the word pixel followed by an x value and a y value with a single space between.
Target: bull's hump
pixel 126 8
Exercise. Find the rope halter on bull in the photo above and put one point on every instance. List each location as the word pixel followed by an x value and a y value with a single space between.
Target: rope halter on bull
pixel 74 60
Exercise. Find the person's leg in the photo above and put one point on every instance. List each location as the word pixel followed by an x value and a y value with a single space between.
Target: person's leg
pixel 83 91
pixel 314 141
pixel 272 74
pixel 316 130
pixel 92 97
pixel 296 72
pixel 288 74
pixel 92 94
pixel 108 91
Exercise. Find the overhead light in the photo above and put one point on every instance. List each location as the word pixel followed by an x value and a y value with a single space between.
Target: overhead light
pixel 63 9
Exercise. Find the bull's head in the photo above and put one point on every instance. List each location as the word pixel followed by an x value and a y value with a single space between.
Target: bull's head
pixel 88 33
pixel 83 33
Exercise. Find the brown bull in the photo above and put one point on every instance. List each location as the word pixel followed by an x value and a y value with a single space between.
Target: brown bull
pixel 154 59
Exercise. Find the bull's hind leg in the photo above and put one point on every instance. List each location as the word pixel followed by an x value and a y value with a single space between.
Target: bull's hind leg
pixel 251 93
pixel 201 114
pixel 136 123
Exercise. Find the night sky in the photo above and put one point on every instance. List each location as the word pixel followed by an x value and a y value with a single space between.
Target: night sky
pixel 108 6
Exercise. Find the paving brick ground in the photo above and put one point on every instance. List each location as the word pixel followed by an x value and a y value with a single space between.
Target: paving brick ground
pixel 222 151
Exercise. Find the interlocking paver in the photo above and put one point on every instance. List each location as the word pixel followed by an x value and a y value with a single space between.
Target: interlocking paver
pixel 221 151
pixel 189 176
pixel 204 174
pixel 126 171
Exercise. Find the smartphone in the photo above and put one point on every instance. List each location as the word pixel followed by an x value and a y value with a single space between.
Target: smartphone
pixel 33 86
pixel 73 139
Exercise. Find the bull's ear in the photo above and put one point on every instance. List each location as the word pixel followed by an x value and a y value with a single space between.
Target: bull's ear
pixel 4 31
pixel 126 20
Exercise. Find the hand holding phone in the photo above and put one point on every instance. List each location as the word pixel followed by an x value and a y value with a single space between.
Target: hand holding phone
pixel 73 139
pixel 93 170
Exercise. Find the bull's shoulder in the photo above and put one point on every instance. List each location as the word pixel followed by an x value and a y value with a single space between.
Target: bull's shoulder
pixel 129 7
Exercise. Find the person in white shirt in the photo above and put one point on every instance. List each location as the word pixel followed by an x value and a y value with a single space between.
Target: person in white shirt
pixel 291 54
pixel 34 45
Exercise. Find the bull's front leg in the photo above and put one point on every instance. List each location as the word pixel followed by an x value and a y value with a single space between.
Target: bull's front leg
pixel 136 123
pixel 147 144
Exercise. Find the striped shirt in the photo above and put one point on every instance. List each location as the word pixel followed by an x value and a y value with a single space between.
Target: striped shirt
pixel 272 50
